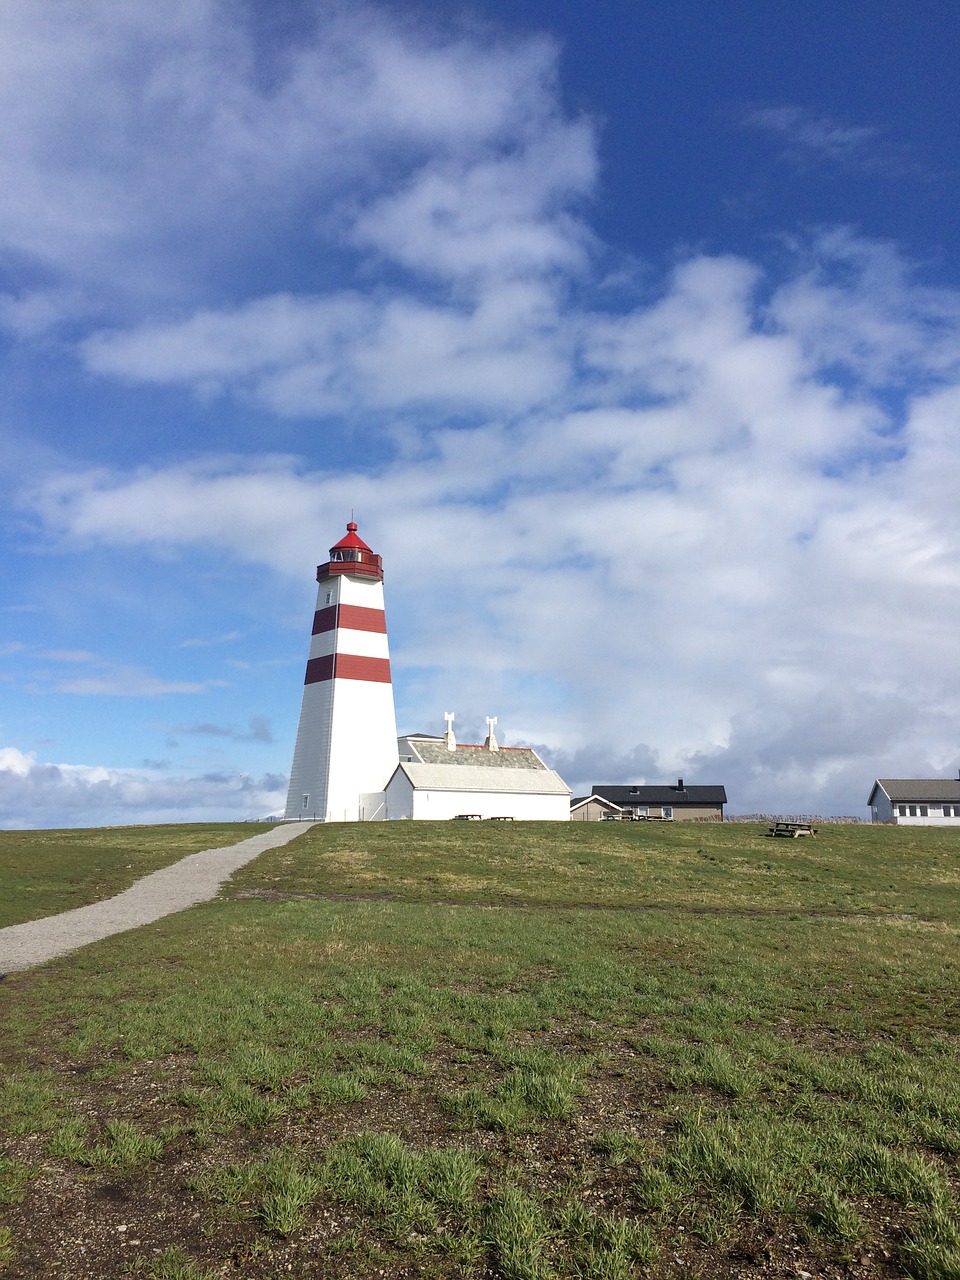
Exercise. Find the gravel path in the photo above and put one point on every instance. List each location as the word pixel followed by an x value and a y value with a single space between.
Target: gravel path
pixel 196 878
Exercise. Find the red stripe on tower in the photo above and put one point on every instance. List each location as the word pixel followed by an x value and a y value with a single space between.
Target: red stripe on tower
pixel 354 617
pixel 347 666
pixel 325 620
pixel 351 667
pixel 319 669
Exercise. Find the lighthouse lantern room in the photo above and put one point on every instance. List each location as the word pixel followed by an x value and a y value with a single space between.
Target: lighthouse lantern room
pixel 346 747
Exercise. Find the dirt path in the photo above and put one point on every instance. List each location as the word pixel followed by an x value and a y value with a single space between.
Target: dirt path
pixel 196 878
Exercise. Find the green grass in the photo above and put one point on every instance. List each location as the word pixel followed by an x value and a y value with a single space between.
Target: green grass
pixel 172 1264
pixel 443 1080
pixel 43 872
pixel 846 868
pixel 121 1145
pixel 7 1251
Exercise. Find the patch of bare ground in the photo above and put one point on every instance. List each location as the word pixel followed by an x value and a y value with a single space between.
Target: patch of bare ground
pixel 80 1223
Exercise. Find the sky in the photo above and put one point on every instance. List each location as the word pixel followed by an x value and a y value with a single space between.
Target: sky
pixel 628 332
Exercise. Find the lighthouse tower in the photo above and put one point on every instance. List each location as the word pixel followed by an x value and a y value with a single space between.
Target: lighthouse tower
pixel 347 737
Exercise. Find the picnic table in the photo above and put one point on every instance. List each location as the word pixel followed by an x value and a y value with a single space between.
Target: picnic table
pixel 792 829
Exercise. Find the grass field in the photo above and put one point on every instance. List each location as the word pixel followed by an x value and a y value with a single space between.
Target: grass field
pixel 516 1050
pixel 43 872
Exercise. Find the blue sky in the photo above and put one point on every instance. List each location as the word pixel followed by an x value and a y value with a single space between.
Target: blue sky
pixel 629 333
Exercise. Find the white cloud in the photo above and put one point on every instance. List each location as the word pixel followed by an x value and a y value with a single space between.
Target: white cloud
pixel 140 149
pixel 505 217
pixel 104 678
pixel 130 682
pixel 820 135
pixel 726 556
pixel 857 307
pixel 35 794
pixel 198 643
pixel 303 356
pixel 258 730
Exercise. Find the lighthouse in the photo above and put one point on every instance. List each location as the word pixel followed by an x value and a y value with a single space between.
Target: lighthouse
pixel 346 746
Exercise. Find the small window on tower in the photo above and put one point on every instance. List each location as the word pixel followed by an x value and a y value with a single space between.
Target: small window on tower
pixel 306 801
pixel 329 596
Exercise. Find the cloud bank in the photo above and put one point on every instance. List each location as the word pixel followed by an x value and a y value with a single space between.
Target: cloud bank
pixel 35 794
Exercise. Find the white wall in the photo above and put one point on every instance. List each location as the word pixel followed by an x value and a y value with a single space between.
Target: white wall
pixel 403 801
pixel 399 796
pixel 934 817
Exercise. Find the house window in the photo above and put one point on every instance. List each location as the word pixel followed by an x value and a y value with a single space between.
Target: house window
pixel 902 810
pixel 642 810
pixel 946 812
pixel 668 810
pixel 923 811
pixel 913 811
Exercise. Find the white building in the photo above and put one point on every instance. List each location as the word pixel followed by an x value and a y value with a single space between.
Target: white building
pixel 916 802
pixel 438 778
pixel 346 746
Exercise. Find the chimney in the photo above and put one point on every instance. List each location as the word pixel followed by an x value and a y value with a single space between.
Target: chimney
pixel 491 743
pixel 679 784
pixel 449 740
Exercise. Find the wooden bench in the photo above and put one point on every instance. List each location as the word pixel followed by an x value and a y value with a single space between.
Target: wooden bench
pixel 792 829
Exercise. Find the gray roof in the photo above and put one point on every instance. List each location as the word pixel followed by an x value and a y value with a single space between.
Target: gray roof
pixel 922 789
pixel 484 777
pixel 436 752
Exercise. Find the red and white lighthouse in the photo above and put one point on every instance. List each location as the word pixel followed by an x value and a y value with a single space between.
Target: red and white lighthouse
pixel 346 745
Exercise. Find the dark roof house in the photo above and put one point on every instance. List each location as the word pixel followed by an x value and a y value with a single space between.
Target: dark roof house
pixel 679 802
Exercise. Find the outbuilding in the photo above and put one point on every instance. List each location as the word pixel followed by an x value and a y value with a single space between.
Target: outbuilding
pixel 593 809
pixel 916 802
pixel 438 778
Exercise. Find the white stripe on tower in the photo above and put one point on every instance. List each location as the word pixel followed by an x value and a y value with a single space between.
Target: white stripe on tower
pixel 347 737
